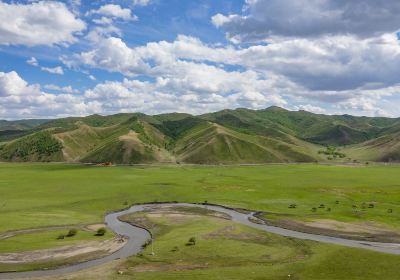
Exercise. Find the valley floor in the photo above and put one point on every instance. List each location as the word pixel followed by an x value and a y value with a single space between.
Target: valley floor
pixel 362 198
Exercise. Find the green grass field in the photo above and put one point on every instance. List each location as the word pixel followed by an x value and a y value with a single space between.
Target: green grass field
pixel 225 250
pixel 36 195
pixel 40 195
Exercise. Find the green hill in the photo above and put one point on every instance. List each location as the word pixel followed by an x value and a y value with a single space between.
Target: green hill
pixel 227 137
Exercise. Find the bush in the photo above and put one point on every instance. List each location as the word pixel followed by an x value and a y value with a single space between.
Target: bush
pixel 292 206
pixel 147 243
pixel 191 242
pixel 61 236
pixel 72 232
pixel 101 231
pixel 175 249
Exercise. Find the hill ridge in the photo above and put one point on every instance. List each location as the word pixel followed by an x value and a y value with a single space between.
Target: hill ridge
pixel 228 136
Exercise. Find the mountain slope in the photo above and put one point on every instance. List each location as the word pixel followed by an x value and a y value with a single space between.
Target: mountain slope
pixel 228 136
pixel 383 149
pixel 210 143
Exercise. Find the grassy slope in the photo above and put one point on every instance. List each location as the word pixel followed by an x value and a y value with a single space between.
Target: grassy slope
pixel 40 146
pixel 385 148
pixel 322 129
pixel 244 136
pixel 20 124
pixel 211 143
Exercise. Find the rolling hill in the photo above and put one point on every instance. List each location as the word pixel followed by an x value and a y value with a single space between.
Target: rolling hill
pixel 226 137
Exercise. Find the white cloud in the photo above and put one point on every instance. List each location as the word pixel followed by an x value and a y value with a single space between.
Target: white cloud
pixel 66 89
pixel 38 23
pixel 266 19
pixel 329 71
pixel 311 108
pixel 103 21
pixel 53 70
pixel 114 11
pixel 33 61
pixel 141 2
pixel 21 100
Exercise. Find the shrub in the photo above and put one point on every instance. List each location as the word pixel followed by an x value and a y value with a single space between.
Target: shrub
pixel 364 205
pixel 191 242
pixel 314 209
pixel 61 236
pixel 371 205
pixel 101 231
pixel 147 243
pixel 72 232
pixel 322 206
pixel 390 210
pixel 175 249
pixel 292 206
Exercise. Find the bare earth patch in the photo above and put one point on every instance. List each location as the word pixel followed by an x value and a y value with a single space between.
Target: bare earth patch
pixel 95 227
pixel 103 247
pixel 356 231
pixel 231 232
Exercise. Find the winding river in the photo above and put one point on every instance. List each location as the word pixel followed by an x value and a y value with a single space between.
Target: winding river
pixel 138 236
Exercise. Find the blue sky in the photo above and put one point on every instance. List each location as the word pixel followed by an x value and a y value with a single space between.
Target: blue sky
pixel 62 58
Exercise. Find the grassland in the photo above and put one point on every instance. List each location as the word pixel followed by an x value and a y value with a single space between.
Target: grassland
pixel 37 195
pixel 225 250
pixel 46 240
pixel 42 195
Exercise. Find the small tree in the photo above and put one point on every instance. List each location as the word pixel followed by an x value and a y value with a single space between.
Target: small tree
pixel 72 232
pixel 101 231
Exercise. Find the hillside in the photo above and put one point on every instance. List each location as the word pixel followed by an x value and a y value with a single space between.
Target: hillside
pixel 225 137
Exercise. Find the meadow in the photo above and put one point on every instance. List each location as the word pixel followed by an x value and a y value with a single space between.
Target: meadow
pixel 43 195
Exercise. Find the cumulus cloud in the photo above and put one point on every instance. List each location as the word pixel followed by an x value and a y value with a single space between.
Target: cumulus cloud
pixel 22 100
pixel 141 2
pixel 114 11
pixel 33 61
pixel 38 23
pixel 266 19
pixel 66 89
pixel 53 70
pixel 329 64
pixel 330 71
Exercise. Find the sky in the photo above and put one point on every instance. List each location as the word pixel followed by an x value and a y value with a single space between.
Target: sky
pixel 77 57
